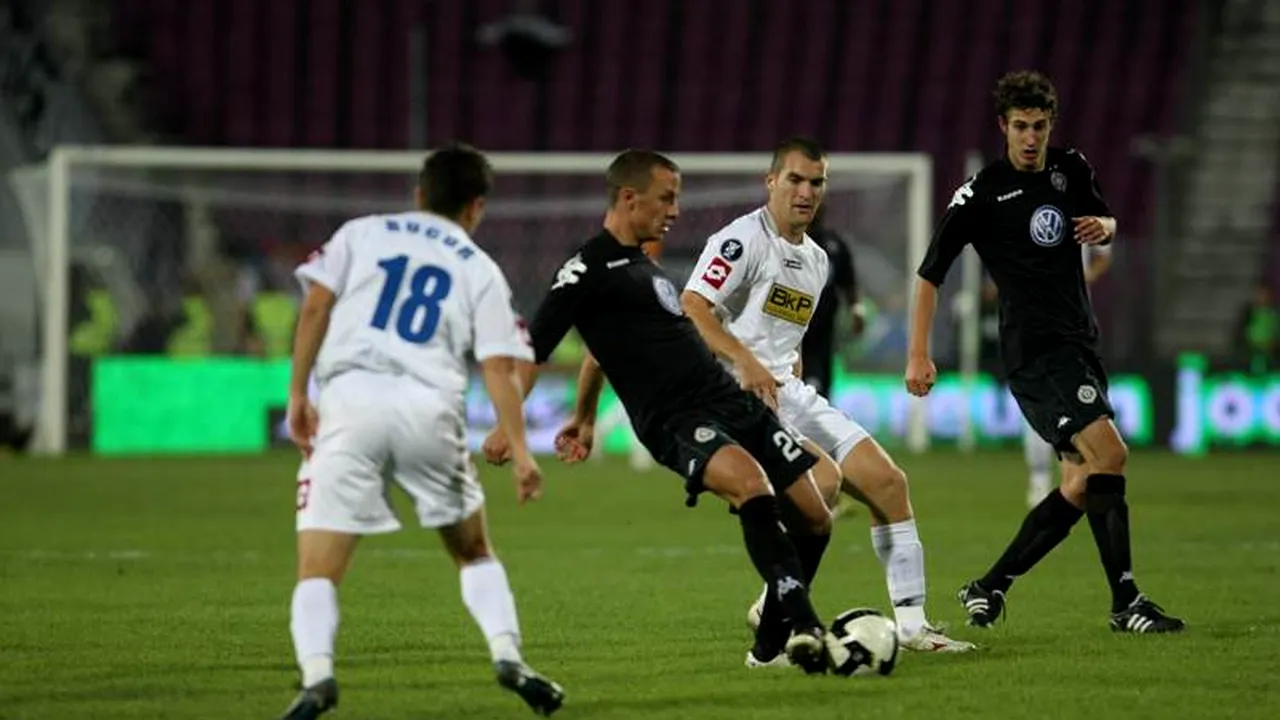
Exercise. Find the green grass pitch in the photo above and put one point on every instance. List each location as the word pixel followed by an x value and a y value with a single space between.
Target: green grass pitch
pixel 160 588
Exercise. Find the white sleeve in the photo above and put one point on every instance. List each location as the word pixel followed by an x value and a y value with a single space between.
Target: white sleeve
pixel 498 330
pixel 725 264
pixel 330 265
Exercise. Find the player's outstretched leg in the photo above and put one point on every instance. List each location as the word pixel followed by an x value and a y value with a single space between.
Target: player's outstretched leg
pixel 1039 456
pixel 734 475
pixel 1044 528
pixel 323 557
pixel 1106 455
pixel 807 516
pixel 488 597
pixel 874 478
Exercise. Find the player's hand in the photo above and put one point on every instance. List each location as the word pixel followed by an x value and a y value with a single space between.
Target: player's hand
pixel 1090 230
pixel 304 423
pixel 574 441
pixel 921 375
pixel 528 479
pixel 496 448
pixel 758 381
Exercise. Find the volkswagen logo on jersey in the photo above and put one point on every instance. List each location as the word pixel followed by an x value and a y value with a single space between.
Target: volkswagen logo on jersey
pixel 667 295
pixel 1048 226
pixel 731 250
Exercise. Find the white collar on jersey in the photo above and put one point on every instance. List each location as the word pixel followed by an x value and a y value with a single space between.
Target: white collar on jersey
pixel 771 228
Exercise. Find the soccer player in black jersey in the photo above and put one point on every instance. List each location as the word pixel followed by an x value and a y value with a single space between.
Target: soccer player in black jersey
pixel 1026 216
pixel 687 410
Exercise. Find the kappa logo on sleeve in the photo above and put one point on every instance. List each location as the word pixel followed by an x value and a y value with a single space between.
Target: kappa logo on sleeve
pixel 717 272
pixel 570 273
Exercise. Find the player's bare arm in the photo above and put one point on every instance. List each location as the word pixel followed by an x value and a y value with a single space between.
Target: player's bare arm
pixel 503 382
pixel 313 323
pixel 1091 230
pixel 1099 264
pixel 921 373
pixel 949 239
pixel 754 376
pixel 496 447
pixel 574 441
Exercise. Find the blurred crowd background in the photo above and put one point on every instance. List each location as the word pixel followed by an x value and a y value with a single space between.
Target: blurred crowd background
pixel 1175 102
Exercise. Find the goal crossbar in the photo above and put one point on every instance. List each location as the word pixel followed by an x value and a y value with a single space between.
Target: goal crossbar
pixel 51 437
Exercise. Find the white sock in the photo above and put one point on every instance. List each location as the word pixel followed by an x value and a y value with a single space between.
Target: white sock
pixel 899 550
pixel 1041 483
pixel 314 623
pixel 487 595
pixel 1037 451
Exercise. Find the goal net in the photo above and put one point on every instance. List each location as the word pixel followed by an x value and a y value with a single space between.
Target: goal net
pixel 167 300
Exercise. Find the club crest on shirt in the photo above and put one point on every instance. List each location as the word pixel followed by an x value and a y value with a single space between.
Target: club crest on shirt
pixel 1048 226
pixel 731 249
pixel 667 295
pixel 1087 394
pixel 1059 181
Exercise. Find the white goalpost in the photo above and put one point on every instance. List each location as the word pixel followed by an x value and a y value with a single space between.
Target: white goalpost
pixel 125 200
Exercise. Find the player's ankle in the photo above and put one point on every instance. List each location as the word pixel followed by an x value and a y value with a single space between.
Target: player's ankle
pixel 316 669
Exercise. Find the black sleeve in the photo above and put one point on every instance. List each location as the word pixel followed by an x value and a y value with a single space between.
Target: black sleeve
pixel 954 231
pixel 559 310
pixel 1089 200
pixel 844 275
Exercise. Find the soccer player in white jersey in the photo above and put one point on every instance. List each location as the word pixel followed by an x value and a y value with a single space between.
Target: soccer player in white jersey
pixel 394 306
pixel 751 295
pixel 1038 452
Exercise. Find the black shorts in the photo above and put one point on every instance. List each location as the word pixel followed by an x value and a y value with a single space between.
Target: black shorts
pixel 685 442
pixel 1061 393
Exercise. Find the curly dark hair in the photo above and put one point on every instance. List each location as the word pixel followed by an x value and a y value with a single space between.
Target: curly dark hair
pixel 1025 90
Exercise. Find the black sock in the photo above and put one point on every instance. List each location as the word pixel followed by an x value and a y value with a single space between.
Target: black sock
pixel 1046 525
pixel 809 550
pixel 775 625
pixel 1109 520
pixel 776 560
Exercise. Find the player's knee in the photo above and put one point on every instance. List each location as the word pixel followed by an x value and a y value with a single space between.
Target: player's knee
pixel 826 475
pixel 886 486
pixel 800 520
pixel 733 475
pixel 467 542
pixel 324 554
pixel 820 521
pixel 1110 456
pixel 471 552
pixel 1102 447
pixel 315 568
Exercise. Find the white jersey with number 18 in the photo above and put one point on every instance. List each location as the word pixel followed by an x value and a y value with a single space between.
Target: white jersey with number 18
pixel 415 297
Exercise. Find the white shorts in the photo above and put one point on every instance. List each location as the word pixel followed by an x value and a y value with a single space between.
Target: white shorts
pixel 809 414
pixel 375 427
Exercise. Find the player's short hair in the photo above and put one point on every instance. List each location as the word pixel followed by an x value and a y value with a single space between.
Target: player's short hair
pixel 634 169
pixel 802 144
pixel 1025 90
pixel 453 176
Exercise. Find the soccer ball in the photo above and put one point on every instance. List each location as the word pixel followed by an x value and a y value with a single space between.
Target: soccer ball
pixel 871 638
